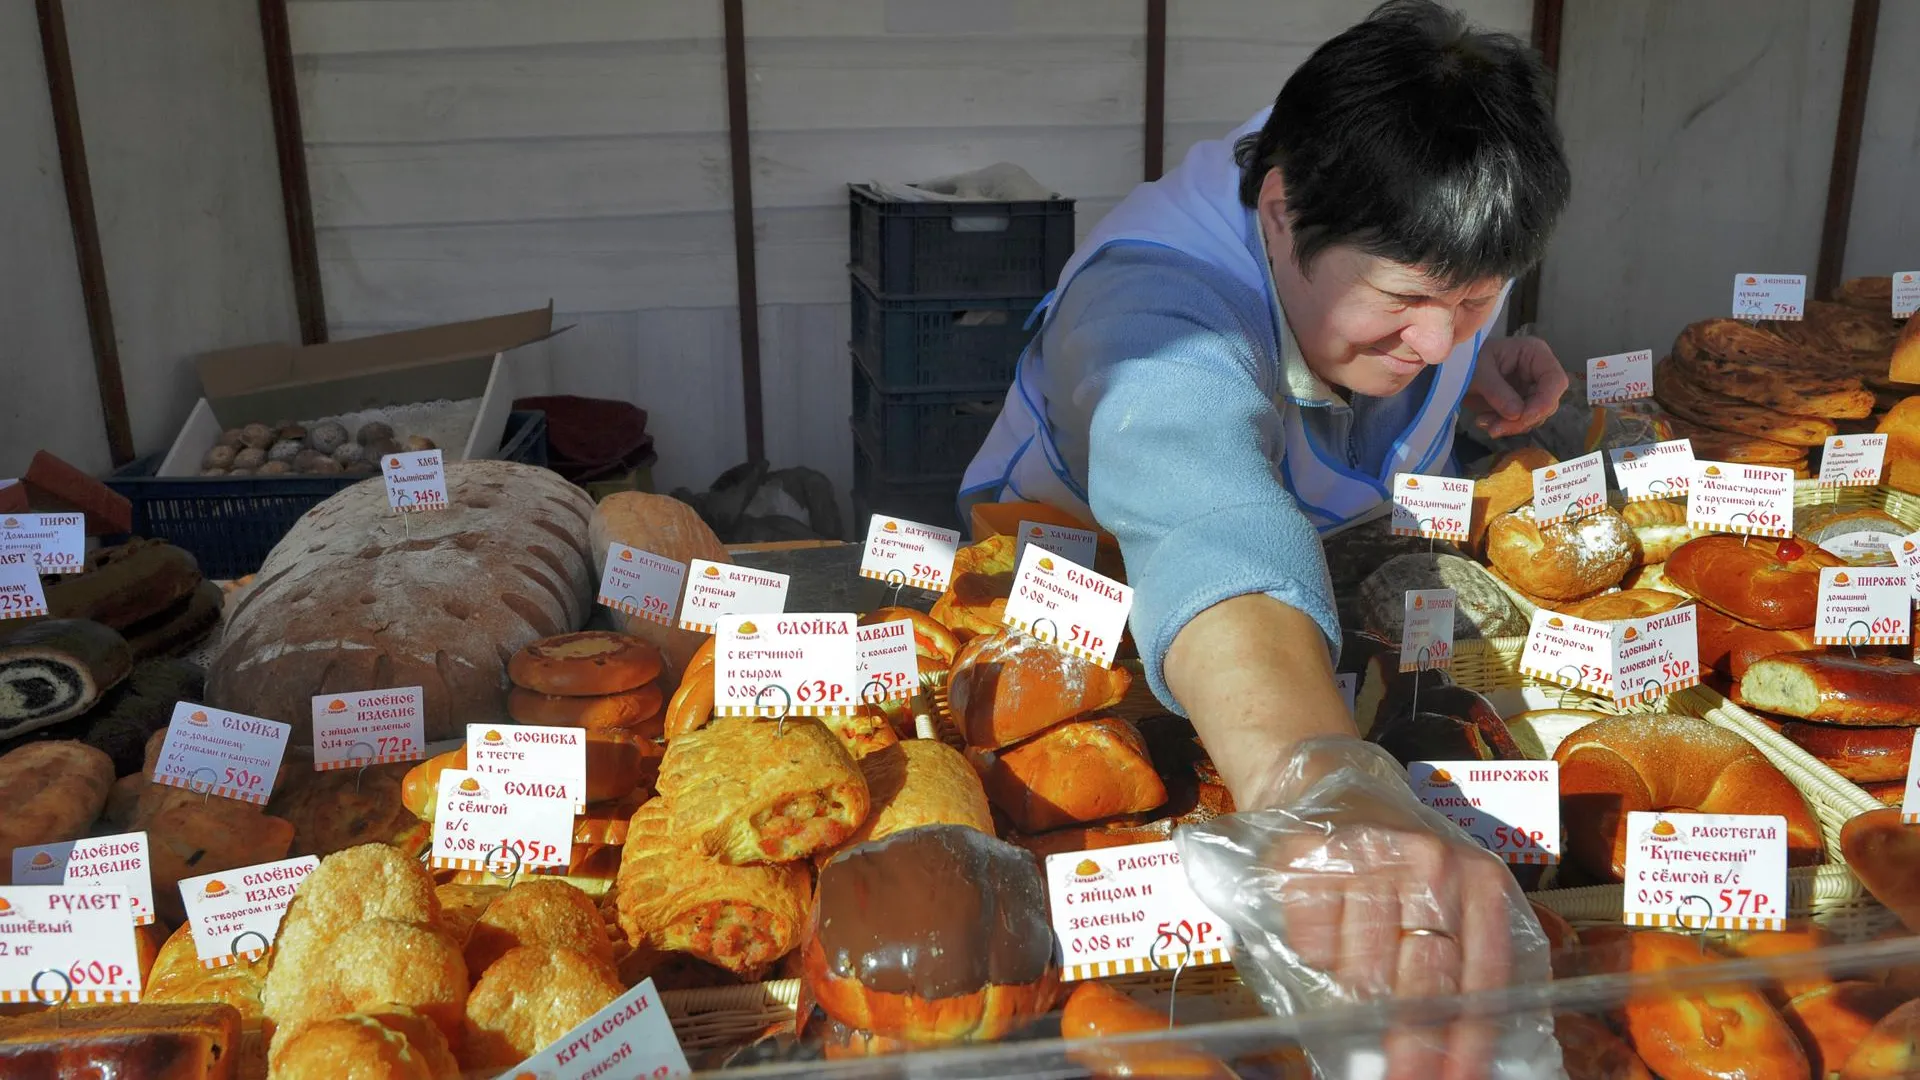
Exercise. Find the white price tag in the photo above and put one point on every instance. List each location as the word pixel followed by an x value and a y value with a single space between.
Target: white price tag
pixel 902 552
pixel 1567 651
pixel 632 1036
pixel 1752 499
pixel 57 941
pixel 1853 460
pixel 1126 909
pixel 716 589
pixel 109 863
pixel 1426 630
pixel 1075 545
pixel 1906 552
pixel 20 593
pixel 505 824
pixel 229 754
pixel 1769 296
pixel 1706 871
pixel 416 481
pixel 1655 655
pixel 1653 471
pixel 1906 293
pixel 1910 803
pixel 369 728
pixel 1349 685
pixel 235 914
pixel 1068 606
pixel 887 662
pixel 57 542
pixel 1570 489
pixel 786 665
pixel 1438 507
pixel 641 583
pixel 556 754
pixel 1512 808
pixel 1620 377
pixel 1871 546
pixel 1862 606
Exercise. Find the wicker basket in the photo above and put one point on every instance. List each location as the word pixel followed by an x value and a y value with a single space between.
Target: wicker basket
pixel 1899 505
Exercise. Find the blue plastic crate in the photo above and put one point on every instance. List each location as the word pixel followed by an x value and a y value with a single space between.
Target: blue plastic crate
pixel 231 524
pixel 922 345
pixel 914 437
pixel 923 250
pixel 934 502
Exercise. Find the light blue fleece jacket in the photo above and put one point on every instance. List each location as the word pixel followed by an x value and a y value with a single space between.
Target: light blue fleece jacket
pixel 1163 407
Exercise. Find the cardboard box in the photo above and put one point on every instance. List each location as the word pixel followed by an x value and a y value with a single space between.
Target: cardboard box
pixel 274 381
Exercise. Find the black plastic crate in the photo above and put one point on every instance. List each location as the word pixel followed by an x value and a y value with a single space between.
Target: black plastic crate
pixel 957 249
pixel 921 436
pixel 933 503
pixel 919 345
pixel 230 524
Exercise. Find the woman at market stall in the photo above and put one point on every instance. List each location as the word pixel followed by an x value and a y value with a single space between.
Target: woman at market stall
pixel 1231 370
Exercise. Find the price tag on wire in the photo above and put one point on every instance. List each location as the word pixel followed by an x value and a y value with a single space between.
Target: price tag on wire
pixel 1706 871
pixel 20 593
pixel 1122 910
pixel 416 481
pixel 557 754
pixel 906 552
pixel 235 914
pixel 1567 651
pixel 117 863
pixel 1906 554
pixel 786 665
pixel 1780 297
pixel 1074 545
pixel 1511 808
pixel 1426 630
pixel 507 825
pixel 1655 655
pixel 1753 499
pixel 1660 470
pixel 1068 606
pixel 1853 460
pixel 1620 377
pixel 641 584
pixel 1906 293
pixel 229 754
pixel 1436 507
pixel 1570 489
pixel 1863 606
pixel 887 661
pixel 372 727
pixel 61 944
pixel 632 1034
pixel 716 589
pixel 58 542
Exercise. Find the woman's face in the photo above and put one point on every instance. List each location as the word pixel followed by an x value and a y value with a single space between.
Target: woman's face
pixel 1362 322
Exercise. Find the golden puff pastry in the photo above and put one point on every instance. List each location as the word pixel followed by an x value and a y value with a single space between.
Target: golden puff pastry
pixel 746 790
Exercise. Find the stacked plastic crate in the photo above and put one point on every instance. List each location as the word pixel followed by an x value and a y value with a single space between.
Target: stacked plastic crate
pixel 941 296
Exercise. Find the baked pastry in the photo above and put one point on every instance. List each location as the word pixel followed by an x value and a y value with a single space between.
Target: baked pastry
pixel 921 782
pixel 1835 687
pixel 668 528
pixel 350 888
pixel 1082 770
pixel 1884 854
pixel 1591 1051
pixel 1098 1010
pixel 1800 390
pixel 55 669
pixel 145 1040
pixel 342 808
pixel 934 647
pixel 180 627
pixel 1901 426
pixel 1705 1031
pixel 1861 754
pixel 976 596
pixel 389 1041
pixel 178 978
pixel 528 999
pixel 124 585
pixel 1711 444
pixel 1892 1049
pixel 357 596
pixel 1009 685
pixel 1689 401
pixel 746 790
pixel 52 791
pixel 671 898
pixel 537 912
pixel 1659 526
pixel 1195 795
pixel 1481 607
pixel 972 961
pixel 1873 294
pixel 584 664
pixel 617 764
pixel 1729 646
pixel 692 704
pixel 374 962
pixel 1652 761
pixel 1566 560
pixel 1861 535
pixel 1772 584
pixel 1832 1019
pixel 1443 723
pixel 637 712
pixel 1626 604
pixel 1905 366
pixel 461 905
pixel 1507 487
pixel 189 835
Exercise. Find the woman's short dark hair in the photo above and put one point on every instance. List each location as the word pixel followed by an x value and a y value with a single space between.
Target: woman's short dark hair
pixel 1418 139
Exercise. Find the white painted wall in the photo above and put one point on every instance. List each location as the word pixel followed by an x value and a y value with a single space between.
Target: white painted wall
pixel 1885 236
pixel 46 361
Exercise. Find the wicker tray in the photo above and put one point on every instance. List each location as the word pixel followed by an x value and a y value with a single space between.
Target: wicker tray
pixel 1895 504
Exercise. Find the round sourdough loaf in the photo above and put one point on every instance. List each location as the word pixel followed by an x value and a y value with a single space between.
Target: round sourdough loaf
pixel 357 597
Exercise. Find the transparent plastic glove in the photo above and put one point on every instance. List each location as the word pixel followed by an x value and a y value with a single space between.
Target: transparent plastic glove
pixel 1322 880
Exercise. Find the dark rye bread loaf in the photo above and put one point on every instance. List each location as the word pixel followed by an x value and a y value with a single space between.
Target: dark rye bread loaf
pixel 356 597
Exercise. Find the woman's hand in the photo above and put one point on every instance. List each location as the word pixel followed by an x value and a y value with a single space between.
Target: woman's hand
pixel 1516 386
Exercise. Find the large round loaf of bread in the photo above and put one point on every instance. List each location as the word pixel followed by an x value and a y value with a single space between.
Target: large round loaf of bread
pixel 357 597
pixel 670 529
